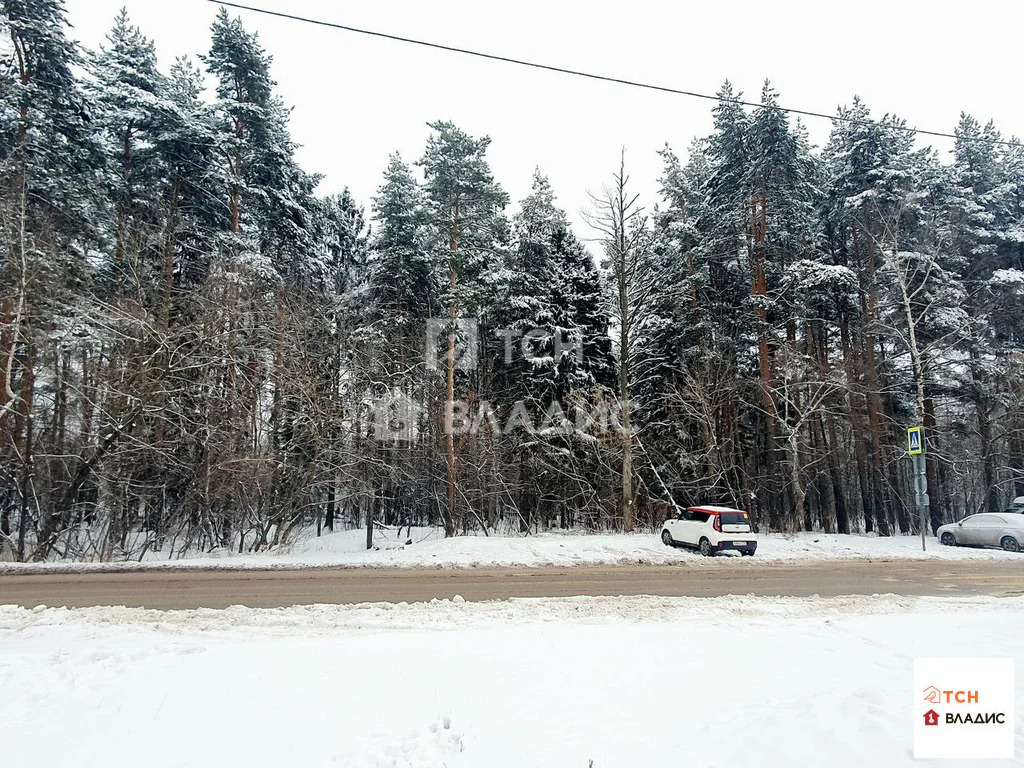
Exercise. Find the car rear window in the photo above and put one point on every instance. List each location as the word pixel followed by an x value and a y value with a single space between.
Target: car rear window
pixel 735 518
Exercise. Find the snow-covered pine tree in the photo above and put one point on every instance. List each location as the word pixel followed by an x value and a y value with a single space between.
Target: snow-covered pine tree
pixel 195 206
pixel 982 228
pixel 467 227
pixel 267 270
pixel 50 216
pixel 919 315
pixel 250 136
pixel 782 223
pixel 556 357
pixel 689 343
pixel 131 108
pixel 400 277
pixel 1007 286
pixel 868 175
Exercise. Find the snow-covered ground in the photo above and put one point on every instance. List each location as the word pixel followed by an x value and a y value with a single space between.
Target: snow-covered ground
pixel 565 683
pixel 430 549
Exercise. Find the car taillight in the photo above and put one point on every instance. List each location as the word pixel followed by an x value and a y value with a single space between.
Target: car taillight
pixel 718 523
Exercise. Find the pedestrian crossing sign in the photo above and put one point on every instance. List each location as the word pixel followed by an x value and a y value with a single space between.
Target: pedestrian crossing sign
pixel 915 441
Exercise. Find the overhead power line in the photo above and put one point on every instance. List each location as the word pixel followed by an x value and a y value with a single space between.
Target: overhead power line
pixel 593 76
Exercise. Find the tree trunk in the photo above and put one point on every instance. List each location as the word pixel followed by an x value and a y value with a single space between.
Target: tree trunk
pixel 857 419
pixel 371 510
pixel 331 507
pixel 981 411
pixel 23 443
pixel 628 508
pixel 937 507
pixel 449 424
pixel 799 495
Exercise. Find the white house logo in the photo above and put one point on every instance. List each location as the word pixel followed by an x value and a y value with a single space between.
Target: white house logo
pixel 967 708
pixel 396 417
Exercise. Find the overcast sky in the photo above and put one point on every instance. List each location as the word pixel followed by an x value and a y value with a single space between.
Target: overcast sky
pixel 356 98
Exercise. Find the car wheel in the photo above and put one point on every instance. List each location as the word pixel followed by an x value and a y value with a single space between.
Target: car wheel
pixel 748 553
pixel 666 537
pixel 706 549
pixel 1010 544
pixel 948 539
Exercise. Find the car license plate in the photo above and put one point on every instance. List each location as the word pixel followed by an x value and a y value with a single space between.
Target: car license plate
pixel 739 543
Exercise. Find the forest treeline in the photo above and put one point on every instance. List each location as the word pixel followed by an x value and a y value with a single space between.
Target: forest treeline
pixel 198 351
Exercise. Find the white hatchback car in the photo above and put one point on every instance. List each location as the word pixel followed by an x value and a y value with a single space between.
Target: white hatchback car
pixel 1005 530
pixel 710 529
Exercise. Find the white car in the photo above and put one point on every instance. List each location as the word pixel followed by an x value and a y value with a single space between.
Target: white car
pixel 987 530
pixel 711 530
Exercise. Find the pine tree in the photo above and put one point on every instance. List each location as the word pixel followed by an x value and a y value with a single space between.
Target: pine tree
pixel 781 230
pixel 400 269
pixel 250 132
pixel 557 357
pixel 467 227
pixel 1007 323
pixel 131 108
pixel 196 212
pixel 978 230
pixel 528 305
pixel 869 176
pixel 50 217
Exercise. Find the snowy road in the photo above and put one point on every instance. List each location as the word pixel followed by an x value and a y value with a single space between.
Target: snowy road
pixel 196 588
pixel 566 683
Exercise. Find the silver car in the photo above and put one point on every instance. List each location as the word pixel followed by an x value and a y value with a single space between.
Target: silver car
pixel 1004 530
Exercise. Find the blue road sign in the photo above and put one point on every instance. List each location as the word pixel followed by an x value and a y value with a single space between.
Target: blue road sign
pixel 915 441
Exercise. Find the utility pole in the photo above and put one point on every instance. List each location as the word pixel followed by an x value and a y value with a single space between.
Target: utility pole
pixel 916 448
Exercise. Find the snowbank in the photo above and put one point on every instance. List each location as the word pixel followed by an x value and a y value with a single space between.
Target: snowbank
pixel 562 682
pixel 430 548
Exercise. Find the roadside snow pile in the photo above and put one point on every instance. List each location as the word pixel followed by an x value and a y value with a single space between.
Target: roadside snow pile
pixel 431 549
pixel 458 613
pixel 560 682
